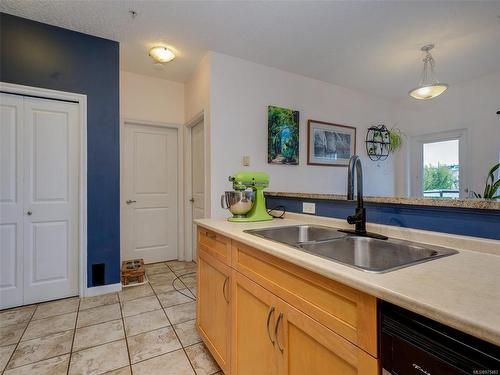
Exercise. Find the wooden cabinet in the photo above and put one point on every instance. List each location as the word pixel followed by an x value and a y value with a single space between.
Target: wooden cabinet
pixel 345 310
pixel 254 318
pixel 258 314
pixel 308 347
pixel 215 244
pixel 213 310
pixel 272 337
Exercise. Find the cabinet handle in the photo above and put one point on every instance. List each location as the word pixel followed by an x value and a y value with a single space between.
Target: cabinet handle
pixel 224 289
pixel 280 317
pixel 271 311
pixel 211 235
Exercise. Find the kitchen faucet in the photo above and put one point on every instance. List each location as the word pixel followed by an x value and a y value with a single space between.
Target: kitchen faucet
pixel 359 218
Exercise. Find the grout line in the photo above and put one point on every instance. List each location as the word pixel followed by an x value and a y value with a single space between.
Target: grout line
pixel 126 339
pixel 20 338
pixel 176 335
pixel 74 335
pixel 96 324
pixel 44 359
pixel 53 316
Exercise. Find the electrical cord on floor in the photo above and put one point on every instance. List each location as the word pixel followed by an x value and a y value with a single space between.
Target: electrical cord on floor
pixel 278 208
pixel 178 290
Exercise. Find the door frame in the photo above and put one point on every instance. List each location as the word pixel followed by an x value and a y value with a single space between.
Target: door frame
pixel 416 159
pixel 180 179
pixel 81 101
pixel 200 117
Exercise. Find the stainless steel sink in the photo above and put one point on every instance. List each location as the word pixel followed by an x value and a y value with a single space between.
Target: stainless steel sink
pixel 373 255
pixel 367 254
pixel 298 234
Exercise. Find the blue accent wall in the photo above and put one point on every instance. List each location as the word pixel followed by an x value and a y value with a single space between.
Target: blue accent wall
pixel 463 221
pixel 40 55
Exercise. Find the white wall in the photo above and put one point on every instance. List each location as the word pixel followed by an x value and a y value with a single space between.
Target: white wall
pixel 470 105
pixel 151 99
pixel 240 93
pixel 197 89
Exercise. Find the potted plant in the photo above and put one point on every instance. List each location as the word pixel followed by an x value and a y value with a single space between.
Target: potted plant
pixel 492 186
pixel 396 139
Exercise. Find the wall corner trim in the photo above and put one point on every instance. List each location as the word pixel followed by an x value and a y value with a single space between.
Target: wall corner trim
pixel 103 289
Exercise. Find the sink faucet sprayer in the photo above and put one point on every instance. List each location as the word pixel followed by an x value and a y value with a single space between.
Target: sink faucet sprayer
pixel 359 218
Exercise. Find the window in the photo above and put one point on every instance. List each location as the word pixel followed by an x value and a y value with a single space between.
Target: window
pixel 441 167
pixel 438 165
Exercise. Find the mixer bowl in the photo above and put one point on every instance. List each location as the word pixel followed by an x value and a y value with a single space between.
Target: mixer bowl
pixel 238 203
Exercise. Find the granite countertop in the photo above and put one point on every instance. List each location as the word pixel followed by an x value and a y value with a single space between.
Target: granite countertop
pixel 461 291
pixel 481 204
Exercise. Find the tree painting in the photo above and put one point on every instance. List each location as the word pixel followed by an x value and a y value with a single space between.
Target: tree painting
pixel 282 136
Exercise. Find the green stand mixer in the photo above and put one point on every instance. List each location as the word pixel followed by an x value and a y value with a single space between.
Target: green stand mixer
pixel 247 205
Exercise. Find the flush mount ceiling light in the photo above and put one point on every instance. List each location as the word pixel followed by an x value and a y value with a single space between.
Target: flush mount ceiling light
pixel 429 86
pixel 161 54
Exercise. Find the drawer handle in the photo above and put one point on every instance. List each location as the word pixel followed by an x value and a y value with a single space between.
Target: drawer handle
pixel 224 289
pixel 280 317
pixel 421 369
pixel 271 311
pixel 211 235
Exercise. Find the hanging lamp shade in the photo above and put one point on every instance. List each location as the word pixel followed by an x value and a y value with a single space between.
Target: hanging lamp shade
pixel 429 86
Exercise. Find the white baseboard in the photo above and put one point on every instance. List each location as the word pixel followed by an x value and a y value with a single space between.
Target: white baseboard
pixel 103 289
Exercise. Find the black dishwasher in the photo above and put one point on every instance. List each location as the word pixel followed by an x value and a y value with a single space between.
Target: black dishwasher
pixel 414 345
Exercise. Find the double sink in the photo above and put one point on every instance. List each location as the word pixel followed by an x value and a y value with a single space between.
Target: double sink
pixel 364 253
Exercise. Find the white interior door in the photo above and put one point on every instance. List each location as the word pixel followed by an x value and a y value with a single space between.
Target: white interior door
pixel 11 200
pixel 150 193
pixel 39 200
pixel 197 178
pixel 51 153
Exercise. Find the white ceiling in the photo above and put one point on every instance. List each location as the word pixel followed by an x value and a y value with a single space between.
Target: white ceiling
pixel 372 46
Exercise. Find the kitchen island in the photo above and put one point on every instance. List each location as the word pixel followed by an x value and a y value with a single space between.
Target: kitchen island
pixel 461 291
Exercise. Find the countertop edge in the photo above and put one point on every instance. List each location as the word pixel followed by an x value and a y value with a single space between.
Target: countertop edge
pixel 475 204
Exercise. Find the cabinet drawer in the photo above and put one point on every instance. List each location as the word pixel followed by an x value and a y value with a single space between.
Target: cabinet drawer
pixel 215 244
pixel 346 311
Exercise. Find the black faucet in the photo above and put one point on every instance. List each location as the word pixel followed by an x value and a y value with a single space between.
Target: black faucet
pixel 359 217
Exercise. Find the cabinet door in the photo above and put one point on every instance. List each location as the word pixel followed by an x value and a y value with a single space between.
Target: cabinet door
pixel 308 347
pixel 254 313
pixel 213 308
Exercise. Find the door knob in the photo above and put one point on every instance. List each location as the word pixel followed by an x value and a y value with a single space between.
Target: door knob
pixel 130 201
pixel 191 200
pixel 29 213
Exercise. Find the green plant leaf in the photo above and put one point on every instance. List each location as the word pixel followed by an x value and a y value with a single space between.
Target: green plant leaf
pixel 493 169
pixel 494 188
pixel 486 190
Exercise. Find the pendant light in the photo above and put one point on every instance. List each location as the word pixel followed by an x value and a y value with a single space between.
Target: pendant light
pixel 429 86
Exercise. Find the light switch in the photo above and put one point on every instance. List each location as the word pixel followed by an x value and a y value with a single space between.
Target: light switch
pixel 309 208
pixel 245 161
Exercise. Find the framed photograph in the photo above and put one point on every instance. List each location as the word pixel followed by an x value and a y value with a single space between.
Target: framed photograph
pixel 282 136
pixel 330 144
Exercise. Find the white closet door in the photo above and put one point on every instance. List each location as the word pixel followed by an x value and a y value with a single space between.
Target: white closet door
pixel 11 200
pixel 51 152
pixel 150 207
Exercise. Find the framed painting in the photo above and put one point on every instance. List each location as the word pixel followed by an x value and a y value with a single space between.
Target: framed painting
pixel 330 144
pixel 282 136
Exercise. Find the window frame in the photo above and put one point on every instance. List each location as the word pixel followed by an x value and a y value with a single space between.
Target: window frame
pixel 417 159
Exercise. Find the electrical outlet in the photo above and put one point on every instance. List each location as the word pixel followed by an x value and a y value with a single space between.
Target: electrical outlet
pixel 308 208
pixel 245 160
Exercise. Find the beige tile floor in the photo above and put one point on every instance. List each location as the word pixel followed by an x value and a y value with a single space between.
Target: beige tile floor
pixel 148 329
